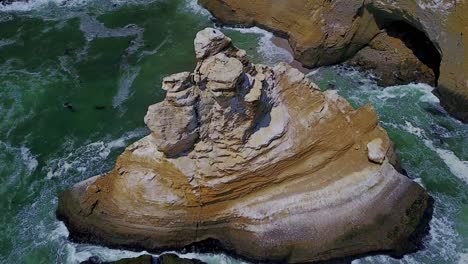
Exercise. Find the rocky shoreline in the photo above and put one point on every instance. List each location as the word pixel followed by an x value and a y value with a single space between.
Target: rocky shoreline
pixel 331 32
pixel 147 259
pixel 257 161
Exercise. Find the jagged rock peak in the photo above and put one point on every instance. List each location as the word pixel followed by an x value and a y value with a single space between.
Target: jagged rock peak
pixel 209 42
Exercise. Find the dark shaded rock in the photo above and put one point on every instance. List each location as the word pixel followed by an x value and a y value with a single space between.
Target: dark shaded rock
pixel 174 259
pixel 147 259
pixel 392 62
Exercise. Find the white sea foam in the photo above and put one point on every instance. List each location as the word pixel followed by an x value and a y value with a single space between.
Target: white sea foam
pixel 82 158
pixel 400 91
pixel 32 5
pixel 463 257
pixel 409 127
pixel 437 5
pixel 24 156
pixel 457 166
pixel 312 73
pixel 193 7
pixel 6 42
pixel 77 253
pixel 93 28
pixel 125 83
pixel 38 4
pixel 28 158
pixel 271 53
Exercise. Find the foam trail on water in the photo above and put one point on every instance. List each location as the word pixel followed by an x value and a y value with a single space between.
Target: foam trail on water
pixel 83 158
pixel 21 163
pixel 38 4
pixel 125 84
pixel 437 5
pixel 192 6
pixel 29 159
pixel 270 52
pixel 34 5
pixel 458 167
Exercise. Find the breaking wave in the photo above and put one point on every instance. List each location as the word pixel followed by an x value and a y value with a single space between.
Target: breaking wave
pixel 87 157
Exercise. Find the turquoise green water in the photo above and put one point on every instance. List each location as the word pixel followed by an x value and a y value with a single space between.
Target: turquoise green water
pixel 107 59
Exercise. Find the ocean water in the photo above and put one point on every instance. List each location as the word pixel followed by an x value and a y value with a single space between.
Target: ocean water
pixel 106 59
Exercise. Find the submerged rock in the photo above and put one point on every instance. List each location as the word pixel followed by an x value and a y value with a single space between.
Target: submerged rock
pixel 259 160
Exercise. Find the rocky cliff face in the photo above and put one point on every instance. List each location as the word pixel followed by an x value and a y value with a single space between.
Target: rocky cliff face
pixel 258 159
pixel 329 32
pixel 388 58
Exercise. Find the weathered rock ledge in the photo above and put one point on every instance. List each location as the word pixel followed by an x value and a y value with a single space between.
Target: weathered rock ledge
pixel 257 159
pixel 147 259
pixel 330 32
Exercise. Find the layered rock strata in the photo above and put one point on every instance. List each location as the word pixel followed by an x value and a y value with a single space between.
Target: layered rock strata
pixel 392 62
pixel 259 160
pixel 330 32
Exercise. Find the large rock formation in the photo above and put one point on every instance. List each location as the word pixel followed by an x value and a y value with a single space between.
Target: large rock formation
pixel 257 159
pixel 329 32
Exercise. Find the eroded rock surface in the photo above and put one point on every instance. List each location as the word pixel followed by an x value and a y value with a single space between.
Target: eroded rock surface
pixel 258 159
pixel 392 62
pixel 329 32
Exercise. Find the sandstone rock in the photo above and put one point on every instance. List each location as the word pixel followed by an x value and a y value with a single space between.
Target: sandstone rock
pixel 210 41
pixel 278 172
pixel 330 32
pixel 221 74
pixel 392 62
pixel 376 151
pixel 176 82
pixel 174 128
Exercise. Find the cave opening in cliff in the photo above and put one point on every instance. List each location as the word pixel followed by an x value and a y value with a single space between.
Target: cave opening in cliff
pixel 416 40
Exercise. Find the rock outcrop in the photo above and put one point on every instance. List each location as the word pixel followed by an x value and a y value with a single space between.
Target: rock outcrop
pixel 392 62
pixel 330 32
pixel 257 159
pixel 147 259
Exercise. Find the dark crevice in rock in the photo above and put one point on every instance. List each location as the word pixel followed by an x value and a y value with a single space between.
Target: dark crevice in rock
pixel 418 42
